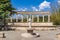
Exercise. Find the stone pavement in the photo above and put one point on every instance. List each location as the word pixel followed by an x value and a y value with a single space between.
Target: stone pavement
pixel 44 35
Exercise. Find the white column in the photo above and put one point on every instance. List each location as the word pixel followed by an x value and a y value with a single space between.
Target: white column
pixel 27 18
pixel 11 19
pixel 32 18
pixel 48 18
pixel 37 18
pixel 16 17
pixel 43 18
pixel 22 18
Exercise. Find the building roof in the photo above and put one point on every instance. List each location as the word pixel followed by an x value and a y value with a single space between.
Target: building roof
pixel 36 12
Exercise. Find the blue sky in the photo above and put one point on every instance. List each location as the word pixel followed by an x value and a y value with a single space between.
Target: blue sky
pixel 33 5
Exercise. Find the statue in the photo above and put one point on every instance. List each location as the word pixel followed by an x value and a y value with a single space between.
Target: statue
pixel 29 22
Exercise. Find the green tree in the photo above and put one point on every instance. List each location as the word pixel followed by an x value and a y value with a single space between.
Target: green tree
pixel 5 8
pixel 55 16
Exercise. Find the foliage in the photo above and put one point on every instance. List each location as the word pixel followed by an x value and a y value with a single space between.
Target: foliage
pixel 55 18
pixel 5 9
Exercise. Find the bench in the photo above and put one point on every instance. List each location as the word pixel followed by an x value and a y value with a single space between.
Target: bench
pixel 2 35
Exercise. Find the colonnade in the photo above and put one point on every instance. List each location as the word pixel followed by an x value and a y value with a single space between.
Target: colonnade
pixel 22 17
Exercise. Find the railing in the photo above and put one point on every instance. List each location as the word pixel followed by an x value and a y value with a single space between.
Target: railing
pixel 33 24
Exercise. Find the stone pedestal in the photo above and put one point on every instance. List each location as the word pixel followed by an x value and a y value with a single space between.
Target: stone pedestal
pixel 30 31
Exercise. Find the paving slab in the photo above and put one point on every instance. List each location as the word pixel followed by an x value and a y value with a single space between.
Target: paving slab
pixel 44 35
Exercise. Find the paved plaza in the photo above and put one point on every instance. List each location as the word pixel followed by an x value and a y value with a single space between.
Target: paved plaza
pixel 44 35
